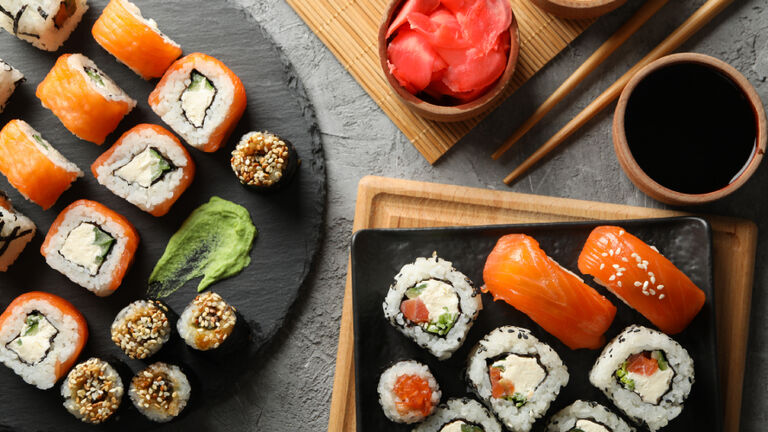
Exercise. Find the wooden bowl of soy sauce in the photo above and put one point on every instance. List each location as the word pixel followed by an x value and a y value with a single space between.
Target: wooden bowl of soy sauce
pixel 689 129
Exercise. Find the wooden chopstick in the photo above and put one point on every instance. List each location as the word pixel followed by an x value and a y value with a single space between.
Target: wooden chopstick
pixel 699 19
pixel 596 59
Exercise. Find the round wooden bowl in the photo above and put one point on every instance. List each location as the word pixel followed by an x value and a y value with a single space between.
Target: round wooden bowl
pixel 646 183
pixel 447 113
pixel 578 9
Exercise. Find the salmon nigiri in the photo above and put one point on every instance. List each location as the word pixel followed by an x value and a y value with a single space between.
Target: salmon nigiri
pixel 642 278
pixel 519 272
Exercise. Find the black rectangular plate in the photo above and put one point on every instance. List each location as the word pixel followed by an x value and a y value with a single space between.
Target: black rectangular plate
pixel 378 255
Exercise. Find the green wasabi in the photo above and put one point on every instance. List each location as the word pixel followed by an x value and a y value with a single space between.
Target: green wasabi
pixel 214 242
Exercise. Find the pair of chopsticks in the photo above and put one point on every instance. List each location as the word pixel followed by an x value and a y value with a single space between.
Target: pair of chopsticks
pixel 699 19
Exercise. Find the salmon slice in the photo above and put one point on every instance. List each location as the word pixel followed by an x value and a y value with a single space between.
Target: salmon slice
pixel 415 310
pixel 132 39
pixel 642 364
pixel 642 278
pixel 519 272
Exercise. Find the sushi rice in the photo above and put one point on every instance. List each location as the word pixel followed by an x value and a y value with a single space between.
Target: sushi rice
pixel 16 231
pixel 587 416
pixel 387 394
pixel 10 79
pixel 439 274
pixel 516 347
pixel 610 375
pixel 455 413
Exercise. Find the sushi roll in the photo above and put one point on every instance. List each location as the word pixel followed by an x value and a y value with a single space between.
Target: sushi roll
pixel 519 272
pixel 201 99
pixel 10 78
pixel 41 336
pixel 16 230
pixel 92 391
pixel 646 374
pixel 33 166
pixel 641 277
pixel 141 328
pixel 408 392
pixel 208 322
pixel 148 167
pixel 86 101
pixel 587 417
pixel 434 304
pixel 46 24
pixel 134 40
pixel 460 415
pixel 516 375
pixel 264 161
pixel 160 392
pixel 91 245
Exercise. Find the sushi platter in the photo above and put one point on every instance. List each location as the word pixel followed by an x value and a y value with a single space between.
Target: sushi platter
pixel 685 241
pixel 389 203
pixel 266 226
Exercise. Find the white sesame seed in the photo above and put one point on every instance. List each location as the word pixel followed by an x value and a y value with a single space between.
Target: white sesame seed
pixel 653 280
pixel 645 285
pixel 660 287
pixel 612 277
pixel 618 251
pixel 619 284
pixel 652 291
pixel 654 248
pixel 661 296
pixel 624 259
pixel 604 254
pixel 621 232
pixel 610 252
pixel 638 283
pixel 602 266
pixel 615 266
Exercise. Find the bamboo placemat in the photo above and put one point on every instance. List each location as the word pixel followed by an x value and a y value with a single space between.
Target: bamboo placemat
pixel 349 28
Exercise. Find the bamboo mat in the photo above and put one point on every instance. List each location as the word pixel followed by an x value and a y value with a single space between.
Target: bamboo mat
pixel 349 28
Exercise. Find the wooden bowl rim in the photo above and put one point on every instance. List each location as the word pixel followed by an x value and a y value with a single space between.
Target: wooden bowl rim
pixel 579 9
pixel 645 182
pixel 444 112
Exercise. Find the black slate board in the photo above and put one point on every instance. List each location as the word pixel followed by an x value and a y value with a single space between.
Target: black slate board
pixel 289 223
pixel 378 255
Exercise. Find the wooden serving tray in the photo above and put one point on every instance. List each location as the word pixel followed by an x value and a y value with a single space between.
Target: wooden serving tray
pixel 393 203
pixel 349 28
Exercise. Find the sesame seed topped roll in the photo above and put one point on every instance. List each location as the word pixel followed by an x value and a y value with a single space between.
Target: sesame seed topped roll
pixel 207 322
pixel 141 328
pixel 264 161
pixel 160 392
pixel 92 391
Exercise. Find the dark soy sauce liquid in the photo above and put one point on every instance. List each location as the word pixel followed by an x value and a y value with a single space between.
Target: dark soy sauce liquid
pixel 690 128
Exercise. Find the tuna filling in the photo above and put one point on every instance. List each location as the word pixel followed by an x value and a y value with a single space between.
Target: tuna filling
pixel 145 169
pixel 35 339
pixel 433 304
pixel 461 426
pixel 586 425
pixel 197 98
pixel 648 374
pixel 87 246
pixel 515 378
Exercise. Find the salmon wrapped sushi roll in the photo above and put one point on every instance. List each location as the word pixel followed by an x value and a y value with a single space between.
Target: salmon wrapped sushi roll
pixel 33 166
pixel 86 101
pixel 134 40
pixel 642 278
pixel 91 245
pixel 519 272
pixel 16 230
pixel 201 99
pixel 46 24
pixel 41 336
pixel 148 167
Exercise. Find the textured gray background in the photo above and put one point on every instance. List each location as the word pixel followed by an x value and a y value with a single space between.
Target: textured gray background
pixel 292 390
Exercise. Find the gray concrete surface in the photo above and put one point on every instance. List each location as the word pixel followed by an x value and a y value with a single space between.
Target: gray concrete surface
pixel 292 390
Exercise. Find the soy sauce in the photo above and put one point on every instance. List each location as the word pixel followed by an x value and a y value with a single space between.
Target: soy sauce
pixel 690 128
